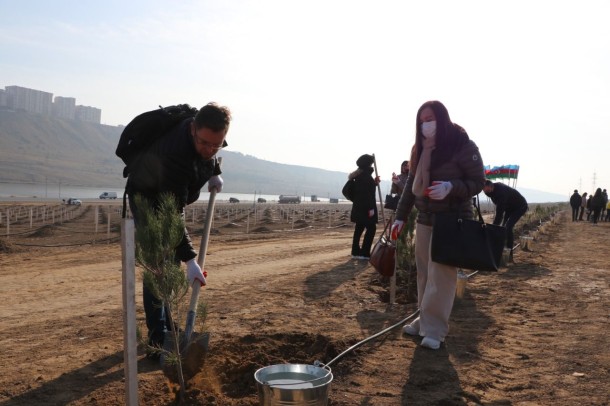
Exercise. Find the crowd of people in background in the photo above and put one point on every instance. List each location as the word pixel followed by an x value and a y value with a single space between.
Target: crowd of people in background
pixel 445 170
pixel 596 206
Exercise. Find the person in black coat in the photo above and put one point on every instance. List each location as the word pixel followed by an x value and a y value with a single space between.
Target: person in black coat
pixel 510 206
pixel 360 190
pixel 575 202
pixel 179 163
pixel 597 203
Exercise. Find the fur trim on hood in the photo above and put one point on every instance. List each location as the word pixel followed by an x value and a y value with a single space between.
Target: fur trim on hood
pixel 354 174
pixel 360 171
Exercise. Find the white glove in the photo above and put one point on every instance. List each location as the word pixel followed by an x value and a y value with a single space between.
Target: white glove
pixel 439 190
pixel 395 178
pixel 193 271
pixel 215 182
pixel 396 229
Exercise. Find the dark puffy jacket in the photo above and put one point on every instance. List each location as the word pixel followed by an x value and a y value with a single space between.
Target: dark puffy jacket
pixel 464 169
pixel 597 202
pixel 360 189
pixel 172 165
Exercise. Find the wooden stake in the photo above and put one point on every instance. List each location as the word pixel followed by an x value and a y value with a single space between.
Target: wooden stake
pixel 130 344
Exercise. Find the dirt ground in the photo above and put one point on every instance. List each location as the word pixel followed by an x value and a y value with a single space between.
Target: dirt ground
pixel 283 289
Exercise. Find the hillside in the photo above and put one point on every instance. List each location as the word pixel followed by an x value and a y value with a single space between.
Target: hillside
pixel 34 148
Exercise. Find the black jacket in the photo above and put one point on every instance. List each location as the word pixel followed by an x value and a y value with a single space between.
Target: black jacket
pixel 464 169
pixel 507 201
pixel 360 189
pixel 172 165
pixel 575 200
pixel 597 202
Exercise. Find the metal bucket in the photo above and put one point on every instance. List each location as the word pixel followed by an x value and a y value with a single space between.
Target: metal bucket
pixel 460 288
pixel 505 257
pixel 293 384
pixel 527 243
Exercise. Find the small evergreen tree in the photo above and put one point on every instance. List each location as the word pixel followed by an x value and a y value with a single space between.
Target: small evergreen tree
pixel 405 255
pixel 159 231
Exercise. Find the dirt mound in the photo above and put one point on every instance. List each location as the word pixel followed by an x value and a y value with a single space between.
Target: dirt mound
pixel 227 374
pixel 8 248
pixel 45 231
pixel 301 224
pixel 262 230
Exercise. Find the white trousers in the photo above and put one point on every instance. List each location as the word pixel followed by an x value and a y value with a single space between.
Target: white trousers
pixel 435 288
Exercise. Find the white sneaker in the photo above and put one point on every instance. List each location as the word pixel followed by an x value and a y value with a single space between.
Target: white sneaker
pixel 431 343
pixel 413 328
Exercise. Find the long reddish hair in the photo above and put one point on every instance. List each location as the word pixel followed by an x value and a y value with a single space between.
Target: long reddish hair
pixel 449 136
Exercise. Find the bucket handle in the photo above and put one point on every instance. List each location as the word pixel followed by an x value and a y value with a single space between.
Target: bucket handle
pixel 328 373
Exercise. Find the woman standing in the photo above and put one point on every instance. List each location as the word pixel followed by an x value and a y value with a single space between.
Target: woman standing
pixel 597 203
pixel 446 172
pixel 360 189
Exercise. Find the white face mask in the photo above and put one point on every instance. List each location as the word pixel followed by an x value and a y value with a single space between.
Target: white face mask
pixel 428 129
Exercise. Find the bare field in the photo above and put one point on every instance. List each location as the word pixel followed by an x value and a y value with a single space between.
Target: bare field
pixel 283 289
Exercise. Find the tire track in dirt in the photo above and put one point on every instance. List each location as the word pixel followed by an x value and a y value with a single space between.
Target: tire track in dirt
pixel 232 262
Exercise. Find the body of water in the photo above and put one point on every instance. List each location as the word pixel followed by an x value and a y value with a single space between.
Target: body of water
pixel 58 192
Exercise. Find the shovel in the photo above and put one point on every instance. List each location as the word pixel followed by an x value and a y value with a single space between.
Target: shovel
pixel 185 343
pixel 203 248
pixel 196 286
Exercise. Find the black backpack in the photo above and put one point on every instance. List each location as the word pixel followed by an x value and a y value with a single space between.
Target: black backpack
pixel 143 130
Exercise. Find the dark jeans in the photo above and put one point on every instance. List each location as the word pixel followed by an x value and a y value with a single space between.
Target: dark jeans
pixel 575 213
pixel 511 219
pixel 367 242
pixel 596 213
pixel 582 210
pixel 155 318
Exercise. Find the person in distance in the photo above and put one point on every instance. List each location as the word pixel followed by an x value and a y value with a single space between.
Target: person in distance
pixel 360 190
pixel 575 201
pixel 510 207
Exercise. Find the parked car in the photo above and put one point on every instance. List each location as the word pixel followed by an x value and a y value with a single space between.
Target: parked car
pixel 108 195
pixel 233 200
pixel 73 201
pixel 290 199
pixel 261 200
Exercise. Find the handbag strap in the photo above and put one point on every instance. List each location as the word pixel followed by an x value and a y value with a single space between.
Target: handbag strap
pixel 386 228
pixel 475 203
pixel 478 207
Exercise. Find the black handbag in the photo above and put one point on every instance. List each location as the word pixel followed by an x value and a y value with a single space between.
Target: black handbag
pixel 465 243
pixel 391 201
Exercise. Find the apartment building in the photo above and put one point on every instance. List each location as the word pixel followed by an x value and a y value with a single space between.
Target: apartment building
pixel 64 107
pixel 34 101
pixel 39 102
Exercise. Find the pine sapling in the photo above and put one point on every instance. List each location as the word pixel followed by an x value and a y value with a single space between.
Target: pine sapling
pixel 159 231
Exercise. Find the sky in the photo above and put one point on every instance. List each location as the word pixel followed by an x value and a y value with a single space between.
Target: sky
pixel 318 83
